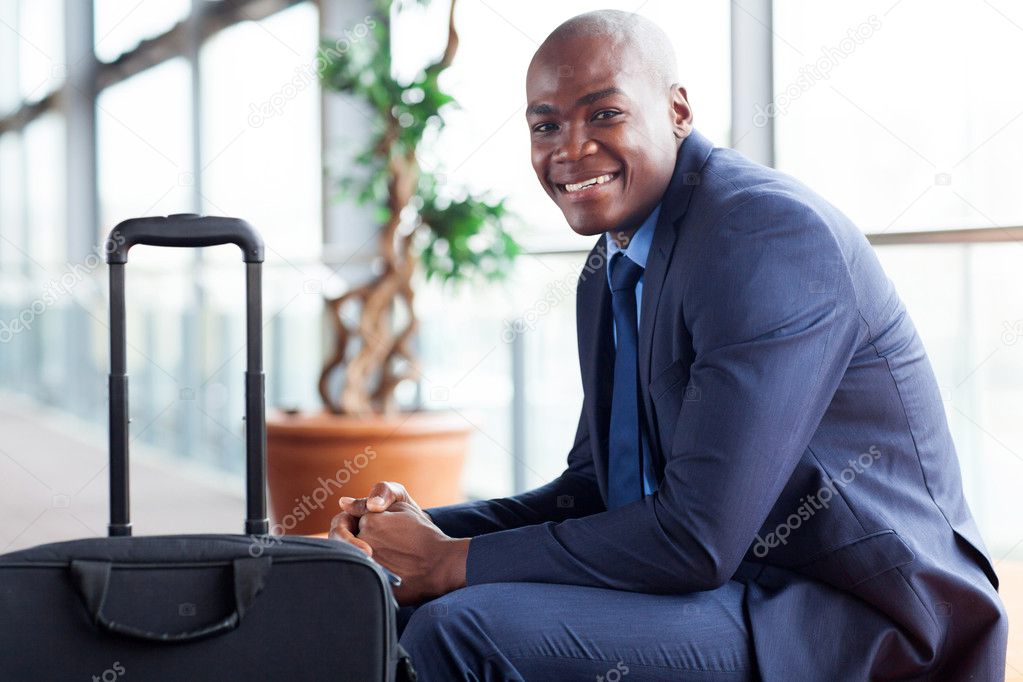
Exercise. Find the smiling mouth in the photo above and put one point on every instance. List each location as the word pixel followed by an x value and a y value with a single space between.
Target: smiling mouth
pixel 575 187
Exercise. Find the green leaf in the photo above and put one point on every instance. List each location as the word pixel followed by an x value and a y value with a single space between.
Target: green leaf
pixel 466 237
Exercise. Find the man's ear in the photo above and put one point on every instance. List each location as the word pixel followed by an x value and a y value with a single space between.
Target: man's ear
pixel 681 112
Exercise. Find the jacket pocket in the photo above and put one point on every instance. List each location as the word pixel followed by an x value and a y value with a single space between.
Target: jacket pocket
pixel 859 560
pixel 667 392
pixel 669 378
pixel 967 536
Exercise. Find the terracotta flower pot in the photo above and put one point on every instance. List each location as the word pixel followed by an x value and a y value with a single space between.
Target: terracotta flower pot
pixel 312 459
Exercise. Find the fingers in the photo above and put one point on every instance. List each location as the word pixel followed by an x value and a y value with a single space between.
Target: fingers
pixel 384 494
pixel 353 507
pixel 346 521
pixel 373 521
pixel 380 498
pixel 343 527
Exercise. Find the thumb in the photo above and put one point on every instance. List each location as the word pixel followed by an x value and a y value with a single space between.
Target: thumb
pixel 352 506
pixel 384 494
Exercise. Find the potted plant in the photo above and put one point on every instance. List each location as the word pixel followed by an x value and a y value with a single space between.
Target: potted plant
pixel 362 436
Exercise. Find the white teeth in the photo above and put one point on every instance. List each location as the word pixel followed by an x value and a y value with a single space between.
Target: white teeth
pixel 575 187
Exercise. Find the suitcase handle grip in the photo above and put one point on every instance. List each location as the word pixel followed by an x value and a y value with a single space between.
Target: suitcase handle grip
pixel 184 230
pixel 188 230
pixel 93 581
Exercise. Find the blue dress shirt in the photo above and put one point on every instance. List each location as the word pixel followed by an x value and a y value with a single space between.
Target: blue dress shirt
pixel 637 250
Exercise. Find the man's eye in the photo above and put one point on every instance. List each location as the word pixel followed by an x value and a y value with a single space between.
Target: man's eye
pixel 543 127
pixel 605 114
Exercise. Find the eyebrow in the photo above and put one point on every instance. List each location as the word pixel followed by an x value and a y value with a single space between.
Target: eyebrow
pixel 544 108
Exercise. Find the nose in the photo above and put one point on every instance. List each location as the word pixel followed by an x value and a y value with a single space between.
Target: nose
pixel 575 145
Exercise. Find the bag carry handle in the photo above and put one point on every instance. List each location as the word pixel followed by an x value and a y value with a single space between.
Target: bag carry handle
pixel 93 581
pixel 188 230
pixel 184 230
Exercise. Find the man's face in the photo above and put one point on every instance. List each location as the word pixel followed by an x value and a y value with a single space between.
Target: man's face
pixel 604 135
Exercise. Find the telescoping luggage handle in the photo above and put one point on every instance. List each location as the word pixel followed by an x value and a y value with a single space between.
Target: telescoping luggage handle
pixel 188 230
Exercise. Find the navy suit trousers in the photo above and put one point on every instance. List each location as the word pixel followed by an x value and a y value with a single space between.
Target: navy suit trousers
pixel 534 631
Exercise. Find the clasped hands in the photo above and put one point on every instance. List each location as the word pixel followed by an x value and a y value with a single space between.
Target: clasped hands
pixel 391 528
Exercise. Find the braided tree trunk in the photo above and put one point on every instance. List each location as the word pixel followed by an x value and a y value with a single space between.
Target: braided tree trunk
pixel 383 357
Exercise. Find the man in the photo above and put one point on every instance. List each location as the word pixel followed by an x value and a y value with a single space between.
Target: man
pixel 762 484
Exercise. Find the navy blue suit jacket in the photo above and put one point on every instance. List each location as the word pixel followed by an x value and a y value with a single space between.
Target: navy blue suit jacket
pixel 799 436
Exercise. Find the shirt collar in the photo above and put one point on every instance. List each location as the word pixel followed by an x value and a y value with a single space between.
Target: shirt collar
pixel 638 247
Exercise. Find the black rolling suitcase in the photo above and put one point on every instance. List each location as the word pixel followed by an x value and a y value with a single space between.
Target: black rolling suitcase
pixel 195 607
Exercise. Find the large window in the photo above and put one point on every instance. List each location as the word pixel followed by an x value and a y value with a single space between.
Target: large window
pixel 905 129
pixel 44 193
pixel 12 207
pixel 144 136
pixel 261 161
pixel 41 55
pixel 899 112
pixel 162 145
pixel 120 25
pixel 261 130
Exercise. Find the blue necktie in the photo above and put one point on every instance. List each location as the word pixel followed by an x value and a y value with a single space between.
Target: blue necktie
pixel 625 442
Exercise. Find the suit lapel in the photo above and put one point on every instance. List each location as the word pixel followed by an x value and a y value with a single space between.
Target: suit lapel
pixel 596 354
pixel 593 308
pixel 688 168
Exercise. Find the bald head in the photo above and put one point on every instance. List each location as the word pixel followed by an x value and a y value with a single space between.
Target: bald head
pixel 635 40
pixel 606 119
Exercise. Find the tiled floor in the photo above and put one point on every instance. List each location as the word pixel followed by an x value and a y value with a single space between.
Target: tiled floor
pixel 53 484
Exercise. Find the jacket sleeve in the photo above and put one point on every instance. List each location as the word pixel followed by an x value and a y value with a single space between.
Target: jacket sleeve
pixel 771 309
pixel 573 494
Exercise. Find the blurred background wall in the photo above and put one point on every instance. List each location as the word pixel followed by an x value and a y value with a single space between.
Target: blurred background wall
pixel 904 113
